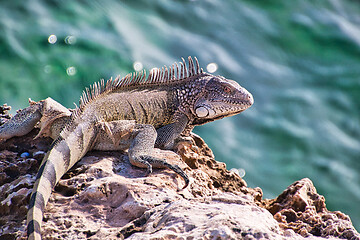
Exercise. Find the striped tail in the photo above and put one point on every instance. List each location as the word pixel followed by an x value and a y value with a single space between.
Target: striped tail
pixel 67 149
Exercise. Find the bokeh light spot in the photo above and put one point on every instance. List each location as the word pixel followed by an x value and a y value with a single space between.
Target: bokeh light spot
pixel 52 39
pixel 47 69
pixel 153 70
pixel 212 67
pixel 70 39
pixel 239 171
pixel 71 71
pixel 138 66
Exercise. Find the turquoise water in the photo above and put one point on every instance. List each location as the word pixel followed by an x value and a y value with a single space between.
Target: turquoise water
pixel 300 59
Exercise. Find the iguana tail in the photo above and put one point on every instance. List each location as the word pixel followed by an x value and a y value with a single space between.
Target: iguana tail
pixel 67 149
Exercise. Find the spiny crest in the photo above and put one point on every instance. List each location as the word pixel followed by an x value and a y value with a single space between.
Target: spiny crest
pixel 156 76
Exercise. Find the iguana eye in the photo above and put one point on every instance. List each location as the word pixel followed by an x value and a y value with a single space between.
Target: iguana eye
pixel 227 89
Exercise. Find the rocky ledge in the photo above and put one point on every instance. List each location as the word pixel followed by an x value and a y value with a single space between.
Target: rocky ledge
pixel 104 197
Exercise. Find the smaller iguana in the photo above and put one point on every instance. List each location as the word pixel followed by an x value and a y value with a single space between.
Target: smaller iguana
pixel 134 113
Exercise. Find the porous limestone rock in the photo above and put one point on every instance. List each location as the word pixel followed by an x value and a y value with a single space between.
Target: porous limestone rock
pixel 4 113
pixel 303 210
pixel 104 197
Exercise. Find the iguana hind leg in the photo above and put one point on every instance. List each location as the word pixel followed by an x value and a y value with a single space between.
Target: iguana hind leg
pixel 114 135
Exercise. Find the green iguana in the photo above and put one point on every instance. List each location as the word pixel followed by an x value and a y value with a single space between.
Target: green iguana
pixel 134 113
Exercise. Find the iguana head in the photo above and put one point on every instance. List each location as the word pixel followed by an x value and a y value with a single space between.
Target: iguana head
pixel 219 98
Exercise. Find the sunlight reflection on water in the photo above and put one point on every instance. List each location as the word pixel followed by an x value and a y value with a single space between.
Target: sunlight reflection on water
pixel 70 40
pixel 47 69
pixel 212 67
pixel 239 171
pixel 52 39
pixel 138 66
pixel 71 71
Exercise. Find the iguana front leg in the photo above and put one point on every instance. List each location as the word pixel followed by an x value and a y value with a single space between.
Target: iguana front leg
pixel 141 148
pixel 139 139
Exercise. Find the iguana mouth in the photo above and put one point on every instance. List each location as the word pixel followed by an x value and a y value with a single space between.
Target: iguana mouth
pixel 202 121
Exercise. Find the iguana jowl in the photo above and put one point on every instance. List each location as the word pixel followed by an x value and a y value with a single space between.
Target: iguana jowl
pixel 136 113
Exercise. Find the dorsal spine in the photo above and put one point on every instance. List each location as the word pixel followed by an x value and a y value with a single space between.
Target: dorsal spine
pixel 156 76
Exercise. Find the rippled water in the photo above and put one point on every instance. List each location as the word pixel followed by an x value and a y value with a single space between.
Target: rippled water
pixel 300 59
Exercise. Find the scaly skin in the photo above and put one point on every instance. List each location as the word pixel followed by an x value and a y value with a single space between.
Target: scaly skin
pixel 134 113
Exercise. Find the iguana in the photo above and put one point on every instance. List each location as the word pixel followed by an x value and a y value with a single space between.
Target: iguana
pixel 134 113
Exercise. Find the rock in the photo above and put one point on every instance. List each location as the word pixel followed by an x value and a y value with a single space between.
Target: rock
pixel 4 113
pixel 104 197
pixel 223 216
pixel 303 210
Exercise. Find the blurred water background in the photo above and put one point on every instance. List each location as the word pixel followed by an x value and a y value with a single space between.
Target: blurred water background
pixel 300 59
